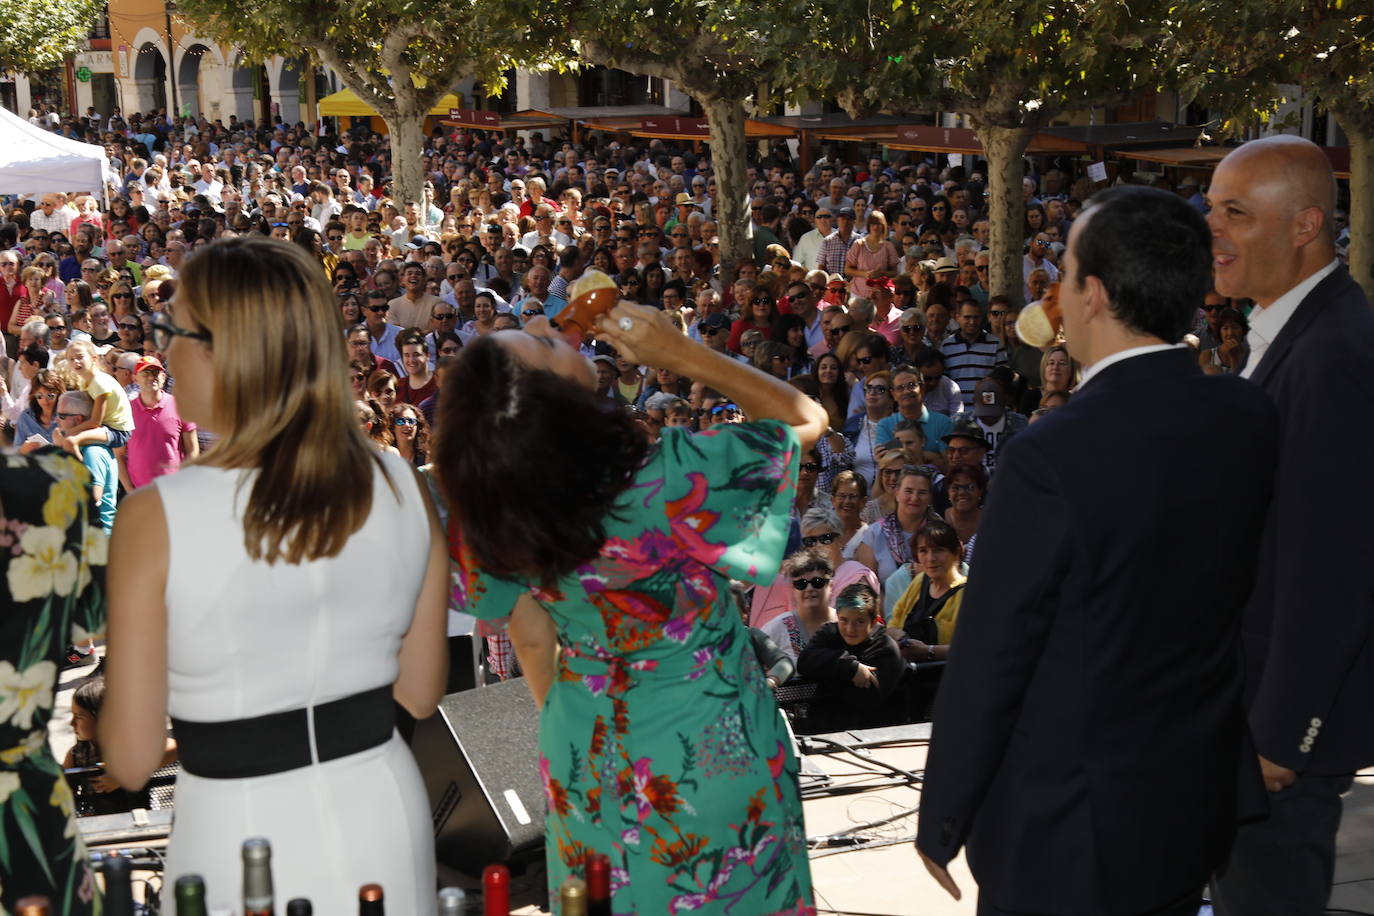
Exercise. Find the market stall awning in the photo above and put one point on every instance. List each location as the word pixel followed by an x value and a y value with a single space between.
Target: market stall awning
pixel 930 139
pixel 1128 135
pixel 345 103
pixel 679 127
pixel 1181 156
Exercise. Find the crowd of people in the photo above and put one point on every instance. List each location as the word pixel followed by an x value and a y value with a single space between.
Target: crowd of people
pixel 866 303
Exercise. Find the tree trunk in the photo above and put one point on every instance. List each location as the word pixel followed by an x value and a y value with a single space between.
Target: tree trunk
pixel 729 160
pixel 1361 204
pixel 1004 147
pixel 407 128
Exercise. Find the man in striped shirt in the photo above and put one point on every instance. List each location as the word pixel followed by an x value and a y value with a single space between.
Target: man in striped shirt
pixel 971 353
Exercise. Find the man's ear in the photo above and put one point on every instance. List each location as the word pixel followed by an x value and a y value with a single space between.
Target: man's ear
pixel 1094 299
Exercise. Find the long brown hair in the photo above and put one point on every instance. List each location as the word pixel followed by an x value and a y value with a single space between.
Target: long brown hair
pixel 282 401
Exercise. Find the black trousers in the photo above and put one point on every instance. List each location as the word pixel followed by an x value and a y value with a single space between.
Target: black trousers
pixel 1283 865
pixel 1188 905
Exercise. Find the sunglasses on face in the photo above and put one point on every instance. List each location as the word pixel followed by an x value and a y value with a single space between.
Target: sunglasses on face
pixel 46 396
pixel 816 582
pixel 827 538
pixel 909 386
pixel 403 421
pixel 724 408
pixel 130 326
pixel 877 389
pixel 863 360
pixel 377 309
pixel 1213 308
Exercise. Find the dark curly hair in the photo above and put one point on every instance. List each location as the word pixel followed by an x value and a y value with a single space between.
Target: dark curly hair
pixel 499 420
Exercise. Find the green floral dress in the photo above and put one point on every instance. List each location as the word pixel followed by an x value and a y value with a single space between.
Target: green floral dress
pixel 54 552
pixel 660 744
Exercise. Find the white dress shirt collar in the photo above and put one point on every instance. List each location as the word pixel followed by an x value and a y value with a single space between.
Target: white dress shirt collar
pixel 1266 323
pixel 1122 356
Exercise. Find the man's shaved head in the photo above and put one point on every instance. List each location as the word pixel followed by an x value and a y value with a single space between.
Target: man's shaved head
pixel 1272 202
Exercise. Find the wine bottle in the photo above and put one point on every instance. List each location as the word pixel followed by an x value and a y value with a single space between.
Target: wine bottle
pixel 257 878
pixel 371 901
pixel 453 901
pixel 119 890
pixel 496 890
pixel 33 906
pixel 190 895
pixel 299 906
pixel 572 896
pixel 598 885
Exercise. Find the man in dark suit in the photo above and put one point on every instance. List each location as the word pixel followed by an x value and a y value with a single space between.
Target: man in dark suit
pixel 1308 647
pixel 1089 723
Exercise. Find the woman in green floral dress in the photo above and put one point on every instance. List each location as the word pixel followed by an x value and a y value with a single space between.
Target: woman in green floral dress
pixel 54 552
pixel 660 743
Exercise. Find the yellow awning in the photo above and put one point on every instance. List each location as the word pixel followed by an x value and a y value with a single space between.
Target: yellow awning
pixel 344 103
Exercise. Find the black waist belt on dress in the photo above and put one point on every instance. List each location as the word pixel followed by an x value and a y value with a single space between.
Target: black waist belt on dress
pixel 281 741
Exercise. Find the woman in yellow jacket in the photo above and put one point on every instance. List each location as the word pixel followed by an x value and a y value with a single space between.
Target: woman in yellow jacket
pixel 923 619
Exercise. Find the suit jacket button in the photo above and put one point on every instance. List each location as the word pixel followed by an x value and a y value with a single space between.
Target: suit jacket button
pixel 1316 723
pixel 1305 748
pixel 1311 733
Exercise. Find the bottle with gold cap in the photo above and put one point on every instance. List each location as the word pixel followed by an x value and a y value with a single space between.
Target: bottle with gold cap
pixel 572 897
pixel 371 901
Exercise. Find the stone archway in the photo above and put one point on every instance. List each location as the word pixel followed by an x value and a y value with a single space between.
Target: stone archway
pixel 199 78
pixel 150 77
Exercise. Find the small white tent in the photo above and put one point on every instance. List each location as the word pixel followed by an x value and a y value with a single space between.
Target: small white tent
pixel 36 161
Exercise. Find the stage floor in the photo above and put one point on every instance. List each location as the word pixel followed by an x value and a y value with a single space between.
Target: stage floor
pixel 888 880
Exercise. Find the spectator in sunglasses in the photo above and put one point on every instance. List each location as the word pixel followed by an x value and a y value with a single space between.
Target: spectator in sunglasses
pixel 807 574
pixel 410 432
pixel 382 334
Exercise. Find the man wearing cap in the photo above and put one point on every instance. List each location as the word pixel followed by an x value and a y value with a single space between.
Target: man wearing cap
pixel 1090 770
pixel 607 374
pixel 995 420
pixel 161 439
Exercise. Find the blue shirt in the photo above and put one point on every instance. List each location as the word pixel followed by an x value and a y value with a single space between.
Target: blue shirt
pixel 935 425
pixel 100 461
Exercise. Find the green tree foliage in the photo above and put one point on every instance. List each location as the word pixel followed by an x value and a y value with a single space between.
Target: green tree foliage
pixel 1010 67
pixel 398 56
pixel 38 34
pixel 723 54
pixel 1324 46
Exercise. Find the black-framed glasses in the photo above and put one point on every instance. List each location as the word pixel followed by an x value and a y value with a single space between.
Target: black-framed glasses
pixel 909 386
pixel 129 325
pixel 444 316
pixel 839 329
pixel 997 313
pixel 816 582
pixel 827 538
pixel 863 360
pixel 877 389
pixel 911 329
pixel 530 313
pixel 164 330
pixel 378 309
pixel 962 487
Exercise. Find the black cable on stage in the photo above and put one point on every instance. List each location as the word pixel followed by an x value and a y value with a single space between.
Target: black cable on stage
pixel 854 751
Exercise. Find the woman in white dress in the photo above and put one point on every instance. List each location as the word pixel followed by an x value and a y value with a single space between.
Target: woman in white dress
pixel 274 598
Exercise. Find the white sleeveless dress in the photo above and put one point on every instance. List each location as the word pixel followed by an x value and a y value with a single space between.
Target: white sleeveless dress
pixel 246 639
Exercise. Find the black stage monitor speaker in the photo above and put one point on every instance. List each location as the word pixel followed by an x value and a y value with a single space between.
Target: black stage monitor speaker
pixel 480 761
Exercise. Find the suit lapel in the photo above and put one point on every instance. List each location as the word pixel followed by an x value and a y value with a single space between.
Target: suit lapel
pixel 1306 312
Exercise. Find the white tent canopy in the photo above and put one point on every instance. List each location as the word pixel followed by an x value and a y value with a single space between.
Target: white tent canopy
pixel 37 161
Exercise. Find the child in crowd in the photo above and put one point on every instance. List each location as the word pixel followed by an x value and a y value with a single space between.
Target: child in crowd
pixel 112 419
pixel 99 794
